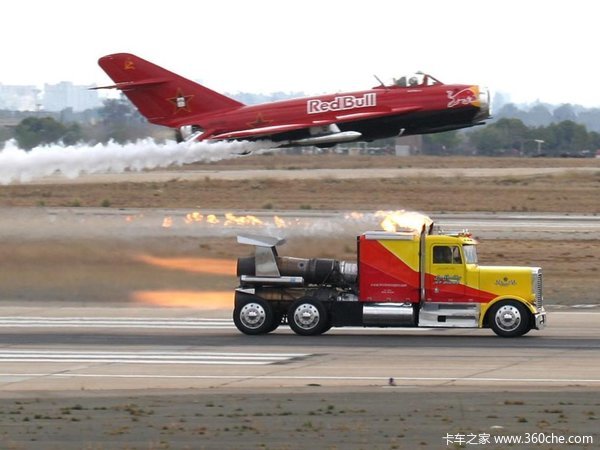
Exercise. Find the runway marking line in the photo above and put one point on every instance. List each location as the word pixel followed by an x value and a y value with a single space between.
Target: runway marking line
pixel 156 323
pixel 175 357
pixel 300 378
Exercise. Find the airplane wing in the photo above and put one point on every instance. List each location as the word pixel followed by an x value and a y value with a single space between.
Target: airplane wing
pixel 278 129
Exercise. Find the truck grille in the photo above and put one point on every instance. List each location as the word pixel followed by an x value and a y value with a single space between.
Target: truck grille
pixel 537 288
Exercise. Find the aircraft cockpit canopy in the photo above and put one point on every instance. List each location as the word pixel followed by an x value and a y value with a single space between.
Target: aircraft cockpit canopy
pixel 418 79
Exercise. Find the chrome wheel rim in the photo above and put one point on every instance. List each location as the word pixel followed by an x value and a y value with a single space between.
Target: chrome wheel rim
pixel 508 318
pixel 253 315
pixel 307 316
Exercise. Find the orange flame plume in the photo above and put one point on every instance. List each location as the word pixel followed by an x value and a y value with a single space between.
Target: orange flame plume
pixel 206 300
pixel 401 220
pixel 211 266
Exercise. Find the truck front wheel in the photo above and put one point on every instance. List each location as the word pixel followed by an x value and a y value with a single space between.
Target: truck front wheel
pixel 253 316
pixel 509 318
pixel 308 317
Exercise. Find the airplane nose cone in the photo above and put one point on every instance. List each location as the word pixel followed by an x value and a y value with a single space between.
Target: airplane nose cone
pixel 485 106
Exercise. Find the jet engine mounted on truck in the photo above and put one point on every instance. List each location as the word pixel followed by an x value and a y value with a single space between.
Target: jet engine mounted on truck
pixel 399 280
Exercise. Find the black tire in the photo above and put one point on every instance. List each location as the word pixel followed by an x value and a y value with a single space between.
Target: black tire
pixel 253 316
pixel 509 318
pixel 308 317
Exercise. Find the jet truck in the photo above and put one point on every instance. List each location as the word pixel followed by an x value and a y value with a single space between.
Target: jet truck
pixel 400 279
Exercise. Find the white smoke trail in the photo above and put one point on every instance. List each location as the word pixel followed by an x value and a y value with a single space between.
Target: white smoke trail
pixel 71 161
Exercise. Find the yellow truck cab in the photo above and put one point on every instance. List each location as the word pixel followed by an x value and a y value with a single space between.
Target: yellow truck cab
pixel 509 297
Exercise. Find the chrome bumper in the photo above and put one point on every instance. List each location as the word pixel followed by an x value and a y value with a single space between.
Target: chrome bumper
pixel 540 320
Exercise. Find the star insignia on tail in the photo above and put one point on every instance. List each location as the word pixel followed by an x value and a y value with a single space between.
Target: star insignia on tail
pixel 181 101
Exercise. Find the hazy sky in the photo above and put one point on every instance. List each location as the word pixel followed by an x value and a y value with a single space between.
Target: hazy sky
pixel 546 50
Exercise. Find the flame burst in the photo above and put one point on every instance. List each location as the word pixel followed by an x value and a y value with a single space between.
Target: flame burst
pixel 193 217
pixel 211 266
pixel 207 300
pixel 279 222
pixel 228 220
pixel 231 219
pixel 401 220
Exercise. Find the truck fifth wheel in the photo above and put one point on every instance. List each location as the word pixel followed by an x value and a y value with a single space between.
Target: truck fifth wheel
pixel 399 280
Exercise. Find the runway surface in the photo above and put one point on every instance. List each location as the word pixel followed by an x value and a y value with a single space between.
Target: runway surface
pixel 73 349
pixel 133 223
pixel 160 176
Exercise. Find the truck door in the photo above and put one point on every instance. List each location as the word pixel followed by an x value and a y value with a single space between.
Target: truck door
pixel 445 280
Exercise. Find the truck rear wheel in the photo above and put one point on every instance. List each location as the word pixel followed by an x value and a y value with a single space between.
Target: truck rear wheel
pixel 509 318
pixel 253 316
pixel 308 317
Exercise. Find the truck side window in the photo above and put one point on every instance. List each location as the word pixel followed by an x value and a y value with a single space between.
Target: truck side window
pixel 445 254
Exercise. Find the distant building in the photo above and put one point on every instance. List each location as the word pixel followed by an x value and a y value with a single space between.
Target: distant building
pixel 19 98
pixel 68 95
pixel 409 145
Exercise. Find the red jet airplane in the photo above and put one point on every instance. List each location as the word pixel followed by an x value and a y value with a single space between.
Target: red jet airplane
pixel 417 104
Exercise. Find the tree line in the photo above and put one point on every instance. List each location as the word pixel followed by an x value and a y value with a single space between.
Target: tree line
pixel 116 120
pixel 511 137
pixel 542 114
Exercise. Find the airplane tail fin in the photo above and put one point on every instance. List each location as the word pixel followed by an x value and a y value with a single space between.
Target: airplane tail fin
pixel 163 97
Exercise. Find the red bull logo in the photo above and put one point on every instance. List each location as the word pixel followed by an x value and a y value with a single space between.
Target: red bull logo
pixel 341 103
pixel 466 96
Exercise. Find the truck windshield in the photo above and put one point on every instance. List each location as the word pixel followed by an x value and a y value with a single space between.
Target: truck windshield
pixel 470 254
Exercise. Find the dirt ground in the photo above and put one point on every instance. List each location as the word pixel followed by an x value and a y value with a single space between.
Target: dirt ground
pixel 380 418
pixel 567 191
